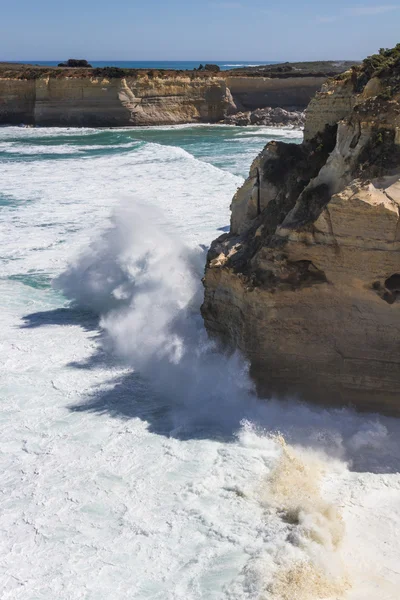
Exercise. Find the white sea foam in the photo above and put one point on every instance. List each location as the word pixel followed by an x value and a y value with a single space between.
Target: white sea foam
pixel 38 150
pixel 173 484
pixel 28 132
pixel 240 65
pixel 52 199
pixel 145 286
pixel 272 132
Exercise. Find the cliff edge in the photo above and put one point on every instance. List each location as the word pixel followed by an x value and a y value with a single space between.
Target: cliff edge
pixel 307 282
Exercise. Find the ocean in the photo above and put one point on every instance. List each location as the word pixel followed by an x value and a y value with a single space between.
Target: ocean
pixel 159 64
pixel 135 460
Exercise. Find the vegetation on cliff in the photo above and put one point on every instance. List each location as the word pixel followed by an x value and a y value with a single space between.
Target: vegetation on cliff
pixel 384 66
pixel 327 68
pixel 31 72
pixel 76 62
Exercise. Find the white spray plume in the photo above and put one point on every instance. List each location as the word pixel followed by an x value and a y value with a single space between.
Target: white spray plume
pixel 145 284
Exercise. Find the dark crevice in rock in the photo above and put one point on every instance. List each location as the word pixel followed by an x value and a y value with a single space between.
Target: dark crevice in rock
pixel 381 155
pixel 390 291
pixel 310 206
pixel 356 138
pixel 393 283
pixel 294 276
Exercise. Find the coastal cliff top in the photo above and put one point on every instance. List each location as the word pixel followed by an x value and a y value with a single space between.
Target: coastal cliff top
pixel 277 71
pixel 323 68
pixel 383 67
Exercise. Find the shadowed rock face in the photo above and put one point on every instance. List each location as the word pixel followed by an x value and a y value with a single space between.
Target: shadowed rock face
pixel 307 282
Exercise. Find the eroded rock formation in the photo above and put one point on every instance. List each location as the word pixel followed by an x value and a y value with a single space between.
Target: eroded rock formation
pixel 307 282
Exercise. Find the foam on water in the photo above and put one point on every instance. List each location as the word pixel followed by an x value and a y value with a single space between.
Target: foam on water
pixel 136 460
pixel 15 148
pixel 145 285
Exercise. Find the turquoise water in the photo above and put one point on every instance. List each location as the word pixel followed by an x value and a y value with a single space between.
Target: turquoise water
pixel 226 147
pixel 160 64
pixel 58 183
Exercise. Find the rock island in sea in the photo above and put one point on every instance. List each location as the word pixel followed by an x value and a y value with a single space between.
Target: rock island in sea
pixel 307 281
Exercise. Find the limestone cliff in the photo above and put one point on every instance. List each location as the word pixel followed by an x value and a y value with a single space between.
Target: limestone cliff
pixel 88 97
pixel 307 282
pixel 99 101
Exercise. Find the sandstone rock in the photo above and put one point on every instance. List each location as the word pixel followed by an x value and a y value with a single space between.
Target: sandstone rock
pixel 117 101
pixel 240 119
pixel 307 282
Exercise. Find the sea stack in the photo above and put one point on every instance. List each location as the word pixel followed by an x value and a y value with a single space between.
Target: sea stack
pixel 307 282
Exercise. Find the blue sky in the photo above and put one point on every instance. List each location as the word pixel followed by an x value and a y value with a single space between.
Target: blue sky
pixel 196 30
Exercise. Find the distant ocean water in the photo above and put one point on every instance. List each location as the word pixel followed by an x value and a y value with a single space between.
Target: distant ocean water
pixel 160 64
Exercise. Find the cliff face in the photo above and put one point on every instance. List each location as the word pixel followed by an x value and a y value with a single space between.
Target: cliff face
pixel 17 101
pixel 141 100
pixel 307 282
pixel 96 102
pixel 250 93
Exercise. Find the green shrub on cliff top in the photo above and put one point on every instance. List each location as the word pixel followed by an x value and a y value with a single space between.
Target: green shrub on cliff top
pixel 110 72
pixel 385 65
pixel 378 65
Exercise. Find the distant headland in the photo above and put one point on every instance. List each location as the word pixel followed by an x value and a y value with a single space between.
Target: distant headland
pixel 77 93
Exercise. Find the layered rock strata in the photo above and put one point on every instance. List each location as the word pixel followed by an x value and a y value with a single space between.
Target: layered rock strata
pixel 86 100
pixel 307 282
pixel 97 102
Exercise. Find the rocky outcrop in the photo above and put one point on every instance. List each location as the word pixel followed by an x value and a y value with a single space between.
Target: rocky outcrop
pixel 270 117
pixel 97 102
pixel 307 282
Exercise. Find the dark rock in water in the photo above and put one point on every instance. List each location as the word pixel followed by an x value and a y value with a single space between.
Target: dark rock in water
pixel 240 119
pixel 75 63
pixel 268 116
